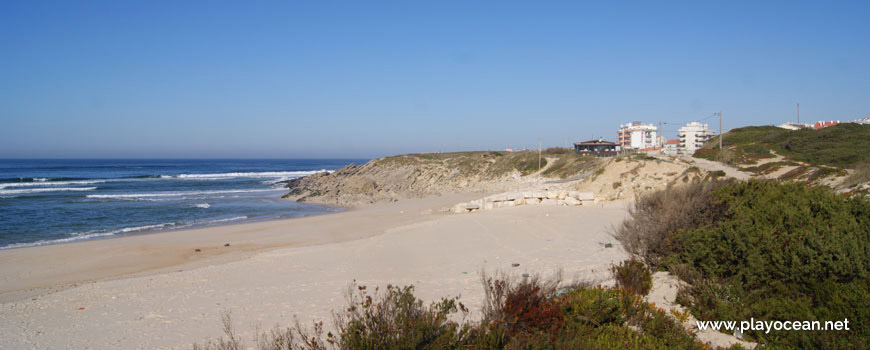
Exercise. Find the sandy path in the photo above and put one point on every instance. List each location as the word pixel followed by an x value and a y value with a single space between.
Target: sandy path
pixel 711 166
pixel 439 253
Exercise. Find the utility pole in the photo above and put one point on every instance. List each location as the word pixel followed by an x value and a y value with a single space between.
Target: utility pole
pixel 659 136
pixel 720 131
pixel 539 155
pixel 799 113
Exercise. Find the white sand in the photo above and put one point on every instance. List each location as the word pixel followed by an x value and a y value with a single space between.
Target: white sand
pixel 170 306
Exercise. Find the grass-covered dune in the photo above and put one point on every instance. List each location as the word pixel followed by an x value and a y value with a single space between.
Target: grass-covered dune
pixel 762 250
pixel 416 175
pixel 844 145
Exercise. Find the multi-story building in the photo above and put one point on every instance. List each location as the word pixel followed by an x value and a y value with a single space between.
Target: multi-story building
pixel 671 147
pixel 638 136
pixel 693 136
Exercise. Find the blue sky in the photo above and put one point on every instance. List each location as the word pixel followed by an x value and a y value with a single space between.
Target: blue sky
pixel 364 79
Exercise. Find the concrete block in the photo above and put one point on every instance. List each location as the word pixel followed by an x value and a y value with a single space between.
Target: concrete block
pixel 583 196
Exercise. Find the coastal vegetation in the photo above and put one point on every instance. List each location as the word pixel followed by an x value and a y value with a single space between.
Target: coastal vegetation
pixel 845 145
pixel 531 313
pixel 495 164
pixel 633 276
pixel 416 175
pixel 762 250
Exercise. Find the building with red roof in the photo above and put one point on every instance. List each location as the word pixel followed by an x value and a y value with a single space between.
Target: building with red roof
pixel 824 124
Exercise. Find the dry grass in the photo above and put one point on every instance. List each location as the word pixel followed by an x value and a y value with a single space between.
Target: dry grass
pixel 570 164
pixel 656 216
pixel 859 176
pixel 231 342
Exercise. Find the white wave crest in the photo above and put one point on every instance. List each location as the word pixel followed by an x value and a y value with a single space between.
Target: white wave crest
pixel 202 205
pixel 81 236
pixel 223 220
pixel 51 183
pixel 50 189
pixel 172 194
pixel 274 174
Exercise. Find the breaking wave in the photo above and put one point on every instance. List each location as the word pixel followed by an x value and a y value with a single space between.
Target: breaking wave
pixel 50 189
pixel 173 194
pixel 276 174
pixel 50 183
pixel 82 236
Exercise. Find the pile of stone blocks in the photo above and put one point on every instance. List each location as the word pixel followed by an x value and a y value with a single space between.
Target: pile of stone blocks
pixel 512 199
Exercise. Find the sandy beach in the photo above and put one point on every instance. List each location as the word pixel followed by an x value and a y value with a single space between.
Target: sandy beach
pixel 154 292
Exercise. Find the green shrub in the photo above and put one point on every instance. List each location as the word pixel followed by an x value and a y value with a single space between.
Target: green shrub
pixel 706 153
pixel 756 151
pixel 530 314
pixel 781 252
pixel 843 145
pixel 633 276
pixel 398 320
pixel 656 217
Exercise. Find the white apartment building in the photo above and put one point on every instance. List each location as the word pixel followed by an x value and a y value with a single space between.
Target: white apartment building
pixel 638 136
pixel 693 136
pixel 671 147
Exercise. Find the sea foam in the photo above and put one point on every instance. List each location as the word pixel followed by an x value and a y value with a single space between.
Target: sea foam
pixel 275 174
pixel 50 189
pixel 173 194
pixel 50 183
pixel 82 236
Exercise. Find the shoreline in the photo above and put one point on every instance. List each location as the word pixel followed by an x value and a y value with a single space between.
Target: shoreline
pixel 214 222
pixel 276 270
pixel 331 209
pixel 31 271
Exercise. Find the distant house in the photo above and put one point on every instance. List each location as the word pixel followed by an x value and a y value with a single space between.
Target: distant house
pixel 824 124
pixel 599 148
pixel 794 126
pixel 671 147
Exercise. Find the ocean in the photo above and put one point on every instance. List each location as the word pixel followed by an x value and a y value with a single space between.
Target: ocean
pixel 56 201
